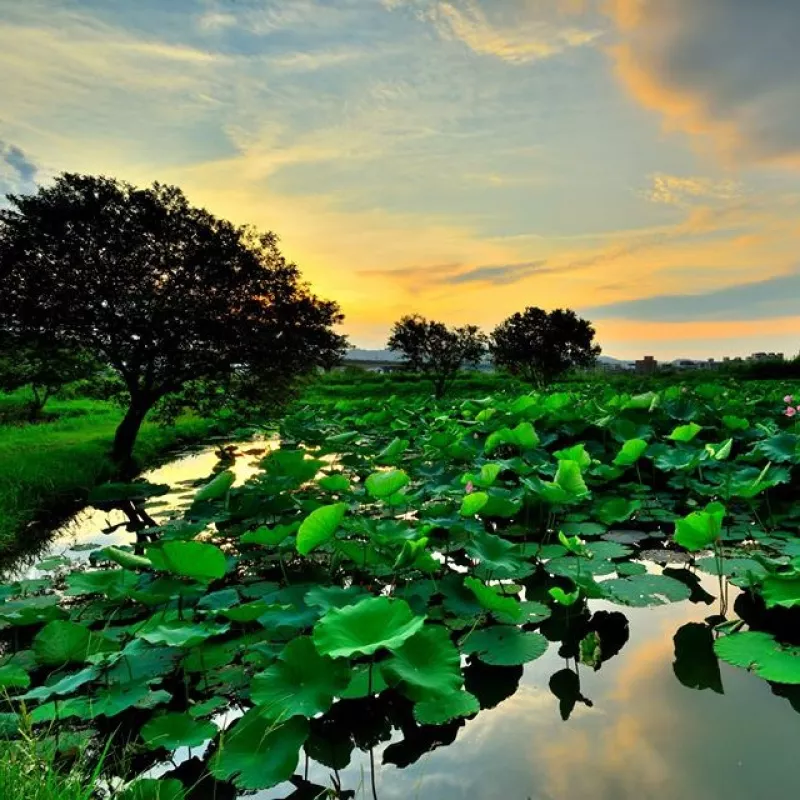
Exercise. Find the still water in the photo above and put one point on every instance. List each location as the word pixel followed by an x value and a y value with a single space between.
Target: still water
pixel 646 736
pixel 92 528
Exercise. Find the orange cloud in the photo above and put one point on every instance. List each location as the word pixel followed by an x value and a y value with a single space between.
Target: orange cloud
pixel 700 65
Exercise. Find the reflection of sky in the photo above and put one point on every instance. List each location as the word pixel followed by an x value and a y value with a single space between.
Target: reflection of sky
pixel 85 528
pixel 646 736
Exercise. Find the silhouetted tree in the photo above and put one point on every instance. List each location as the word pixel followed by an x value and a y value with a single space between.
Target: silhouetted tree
pixel 163 292
pixel 435 350
pixel 42 365
pixel 539 346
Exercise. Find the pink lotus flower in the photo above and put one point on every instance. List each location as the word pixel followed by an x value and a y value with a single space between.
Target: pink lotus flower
pixel 790 411
pixel 788 400
pixel 470 488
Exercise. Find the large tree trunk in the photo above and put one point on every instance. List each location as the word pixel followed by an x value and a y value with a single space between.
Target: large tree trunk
pixel 128 430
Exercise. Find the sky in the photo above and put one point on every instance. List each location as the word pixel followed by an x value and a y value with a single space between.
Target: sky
pixel 635 160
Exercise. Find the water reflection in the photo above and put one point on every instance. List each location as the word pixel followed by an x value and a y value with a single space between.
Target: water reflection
pixel 658 719
pixel 92 527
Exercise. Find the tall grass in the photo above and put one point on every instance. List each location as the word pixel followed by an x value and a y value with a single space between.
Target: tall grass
pixel 49 465
pixel 29 772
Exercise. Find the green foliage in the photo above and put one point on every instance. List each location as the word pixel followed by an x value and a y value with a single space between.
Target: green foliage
pixel 332 621
pixel 319 526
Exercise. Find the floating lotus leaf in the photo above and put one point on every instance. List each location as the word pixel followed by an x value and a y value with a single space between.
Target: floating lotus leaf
pixel 426 665
pixel 174 730
pixel 257 753
pixel 504 645
pixel 364 628
pixel 301 682
pixel 762 654
pixel 440 709
pixel 197 560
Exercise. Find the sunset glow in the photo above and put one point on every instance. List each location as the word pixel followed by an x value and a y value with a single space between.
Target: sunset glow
pixel 461 159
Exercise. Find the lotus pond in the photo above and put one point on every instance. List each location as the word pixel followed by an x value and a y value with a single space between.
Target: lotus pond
pixel 535 596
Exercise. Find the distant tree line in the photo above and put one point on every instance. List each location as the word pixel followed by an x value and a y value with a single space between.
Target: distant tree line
pixel 534 345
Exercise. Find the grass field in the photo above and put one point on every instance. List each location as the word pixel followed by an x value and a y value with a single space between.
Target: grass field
pixel 49 465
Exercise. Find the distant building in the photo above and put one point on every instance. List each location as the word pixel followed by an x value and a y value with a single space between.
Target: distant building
pixel 646 366
pixel 766 357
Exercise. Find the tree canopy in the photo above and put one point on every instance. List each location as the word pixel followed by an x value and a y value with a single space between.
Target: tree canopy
pixel 435 350
pixel 165 293
pixel 539 346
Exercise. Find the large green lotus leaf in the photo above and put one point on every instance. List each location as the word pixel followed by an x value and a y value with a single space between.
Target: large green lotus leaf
pixel 569 478
pixel 13 676
pixel 327 597
pixel 504 645
pixel 152 789
pixel 140 662
pixel 384 484
pixel 197 560
pixel 336 483
pixel 301 682
pixel 630 452
pixel 291 467
pixel 216 488
pixel 109 703
pixel 572 567
pixel 735 423
pixel 616 509
pixel 269 537
pixel 731 567
pixel 497 556
pixel 61 642
pixel 428 664
pixel 63 685
pixel 781 590
pixel 113 583
pixel 319 526
pixel 781 448
pixel 685 433
pixel 645 590
pixel 502 503
pixel 493 600
pixel 759 652
pixel 440 709
pixel 362 684
pixel 258 753
pixel 125 558
pixel 608 550
pixel 700 529
pixel 364 628
pixel 175 633
pixel 220 600
pixel 393 451
pixel 175 730
pixel 473 503
pixel 31 610
pixel 529 612
pixel 576 453
pixel 670 459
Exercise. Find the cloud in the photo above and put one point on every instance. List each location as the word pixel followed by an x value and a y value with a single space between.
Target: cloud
pixel 518 37
pixel 500 274
pixel 413 278
pixel 677 191
pixel 727 69
pixel 773 297
pixel 17 171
